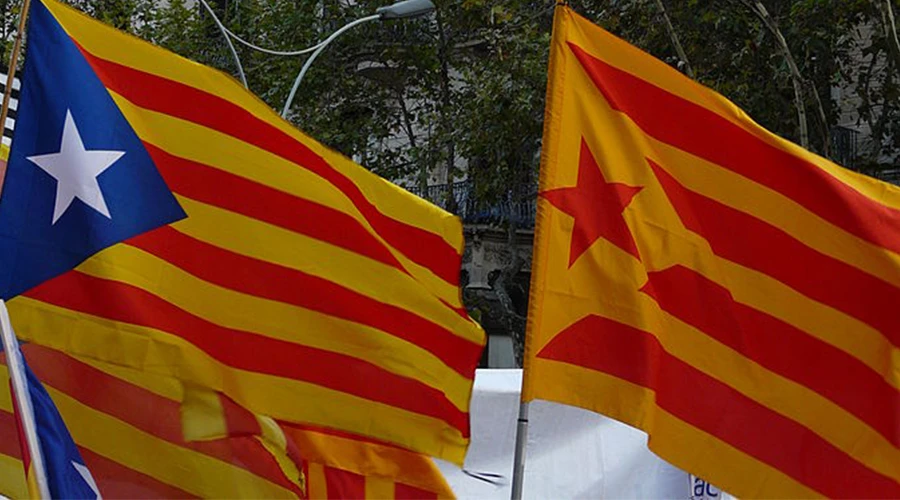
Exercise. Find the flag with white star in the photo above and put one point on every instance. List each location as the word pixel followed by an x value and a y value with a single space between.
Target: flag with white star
pixel 65 471
pixel 78 179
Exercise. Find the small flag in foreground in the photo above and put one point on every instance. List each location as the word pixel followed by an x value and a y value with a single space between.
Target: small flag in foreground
pixel 215 244
pixel 710 283
pixel 128 428
pixel 62 469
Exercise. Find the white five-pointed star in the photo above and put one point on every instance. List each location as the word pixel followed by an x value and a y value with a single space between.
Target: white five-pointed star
pixel 75 170
pixel 88 478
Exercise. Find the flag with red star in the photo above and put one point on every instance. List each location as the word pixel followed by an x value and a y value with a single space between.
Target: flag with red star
pixel 702 279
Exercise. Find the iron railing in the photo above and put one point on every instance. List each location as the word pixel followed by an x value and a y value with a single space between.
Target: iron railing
pixel 844 146
pixel 472 211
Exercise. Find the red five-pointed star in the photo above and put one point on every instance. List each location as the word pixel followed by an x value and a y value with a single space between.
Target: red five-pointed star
pixel 597 207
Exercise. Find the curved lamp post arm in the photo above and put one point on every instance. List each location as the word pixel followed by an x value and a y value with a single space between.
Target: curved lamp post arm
pixel 321 47
pixel 224 31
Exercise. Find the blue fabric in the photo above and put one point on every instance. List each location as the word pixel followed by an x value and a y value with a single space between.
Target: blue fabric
pixel 57 79
pixel 57 447
pixel 59 450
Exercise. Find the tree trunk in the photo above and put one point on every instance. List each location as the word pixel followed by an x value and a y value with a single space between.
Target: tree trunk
pixel 444 55
pixel 826 136
pixel 673 36
pixel 515 323
pixel 760 11
pixel 410 133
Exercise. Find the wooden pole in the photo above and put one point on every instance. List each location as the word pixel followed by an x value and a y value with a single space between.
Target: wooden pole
pixel 11 76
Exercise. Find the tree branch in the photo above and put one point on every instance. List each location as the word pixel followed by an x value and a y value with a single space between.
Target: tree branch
pixel 760 11
pixel 673 36
pixel 890 28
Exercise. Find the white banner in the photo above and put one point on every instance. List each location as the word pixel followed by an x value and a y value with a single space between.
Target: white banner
pixel 571 453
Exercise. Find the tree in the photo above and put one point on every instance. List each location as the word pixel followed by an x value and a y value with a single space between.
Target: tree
pixel 460 94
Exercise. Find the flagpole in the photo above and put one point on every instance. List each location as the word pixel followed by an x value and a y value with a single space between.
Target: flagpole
pixel 11 74
pixel 19 390
pixel 519 458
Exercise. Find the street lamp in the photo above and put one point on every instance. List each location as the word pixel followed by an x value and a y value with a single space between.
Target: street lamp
pixel 400 10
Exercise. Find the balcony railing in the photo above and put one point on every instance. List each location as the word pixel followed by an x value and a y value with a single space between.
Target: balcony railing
pixel 473 212
pixel 844 146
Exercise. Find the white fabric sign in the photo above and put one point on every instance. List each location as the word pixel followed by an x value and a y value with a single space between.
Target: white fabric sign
pixel 572 453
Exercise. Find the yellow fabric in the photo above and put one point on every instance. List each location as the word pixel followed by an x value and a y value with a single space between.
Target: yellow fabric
pixel 607 280
pixel 121 442
pixel 396 282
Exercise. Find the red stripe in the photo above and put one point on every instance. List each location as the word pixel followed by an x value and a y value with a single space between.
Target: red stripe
pixel 701 132
pixel 177 99
pixel 144 410
pixel 778 346
pixel 115 480
pixel 24 450
pixel 9 436
pixel 636 356
pixel 271 281
pixel 238 420
pixel 246 351
pixel 748 241
pixel 237 194
pixel 407 492
pixel 343 484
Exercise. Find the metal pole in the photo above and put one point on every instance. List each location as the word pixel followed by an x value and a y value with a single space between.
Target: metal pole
pixel 19 389
pixel 11 74
pixel 308 63
pixel 519 458
pixel 237 60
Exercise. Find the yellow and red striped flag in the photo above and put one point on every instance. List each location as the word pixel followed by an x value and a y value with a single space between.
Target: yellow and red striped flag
pixel 724 290
pixel 128 429
pixel 158 441
pixel 294 282
pixel 328 458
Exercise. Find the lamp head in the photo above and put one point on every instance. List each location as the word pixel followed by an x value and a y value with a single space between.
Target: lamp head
pixel 405 9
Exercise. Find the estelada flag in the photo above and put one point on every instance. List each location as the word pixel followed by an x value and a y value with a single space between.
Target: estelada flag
pixel 215 243
pixel 697 277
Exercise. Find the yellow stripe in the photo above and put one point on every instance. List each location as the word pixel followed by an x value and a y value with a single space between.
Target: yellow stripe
pixel 674 440
pixel 699 350
pixel 185 469
pixel 202 416
pixel 370 459
pixel 283 399
pixel 12 477
pixel 287 466
pixel 108 43
pixel 628 58
pixel 191 141
pixel 379 488
pixel 318 487
pixel 273 319
pixel 31 482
